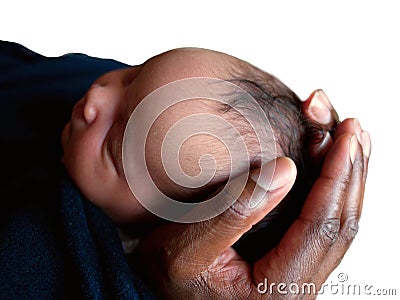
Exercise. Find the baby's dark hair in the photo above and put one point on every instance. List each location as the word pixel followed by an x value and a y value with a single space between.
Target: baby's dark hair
pixel 293 132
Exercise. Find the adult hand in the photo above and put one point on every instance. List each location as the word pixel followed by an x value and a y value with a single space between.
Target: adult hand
pixel 319 109
pixel 197 261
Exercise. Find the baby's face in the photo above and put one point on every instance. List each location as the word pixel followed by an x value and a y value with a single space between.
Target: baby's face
pixel 92 140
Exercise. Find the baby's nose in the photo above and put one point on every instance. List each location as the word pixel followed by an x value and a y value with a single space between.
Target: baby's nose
pixel 94 102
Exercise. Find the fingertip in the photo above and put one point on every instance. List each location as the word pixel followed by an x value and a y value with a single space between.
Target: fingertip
pixel 285 173
pixel 349 125
pixel 274 174
pixel 277 176
pixel 366 143
pixel 341 155
pixel 353 148
pixel 290 165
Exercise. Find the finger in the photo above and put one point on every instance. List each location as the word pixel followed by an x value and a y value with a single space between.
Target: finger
pixel 254 203
pixel 353 126
pixel 333 179
pixel 348 221
pixel 350 125
pixel 351 209
pixel 366 147
pixel 309 239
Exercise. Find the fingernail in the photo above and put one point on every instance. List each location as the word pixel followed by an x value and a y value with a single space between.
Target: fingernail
pixel 353 148
pixel 366 143
pixel 257 196
pixel 320 107
pixel 263 182
pixel 269 170
pixel 273 174
pixel 357 129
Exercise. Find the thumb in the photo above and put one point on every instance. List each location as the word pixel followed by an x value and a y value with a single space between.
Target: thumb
pixel 265 189
pixel 201 243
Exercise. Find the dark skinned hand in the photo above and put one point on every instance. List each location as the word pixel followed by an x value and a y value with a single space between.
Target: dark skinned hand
pixel 196 261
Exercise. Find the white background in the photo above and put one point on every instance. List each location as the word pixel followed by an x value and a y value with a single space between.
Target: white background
pixel 348 48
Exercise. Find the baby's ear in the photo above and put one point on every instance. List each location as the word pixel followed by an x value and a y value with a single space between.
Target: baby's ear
pixel 319 109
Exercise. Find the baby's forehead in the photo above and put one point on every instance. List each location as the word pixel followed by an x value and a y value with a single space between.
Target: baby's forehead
pixel 196 62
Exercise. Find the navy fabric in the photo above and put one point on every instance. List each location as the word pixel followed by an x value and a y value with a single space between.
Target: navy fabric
pixel 54 244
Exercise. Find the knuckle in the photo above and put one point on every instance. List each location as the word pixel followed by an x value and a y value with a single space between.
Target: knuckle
pixel 329 230
pixel 170 265
pixel 343 183
pixel 234 218
pixel 349 230
pixel 239 210
pixel 226 284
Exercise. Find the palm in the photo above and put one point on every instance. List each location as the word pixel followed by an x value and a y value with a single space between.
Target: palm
pixel 197 261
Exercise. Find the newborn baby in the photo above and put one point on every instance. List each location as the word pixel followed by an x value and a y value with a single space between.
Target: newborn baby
pixel 92 140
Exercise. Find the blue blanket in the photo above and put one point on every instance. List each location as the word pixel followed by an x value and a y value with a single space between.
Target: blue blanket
pixel 54 244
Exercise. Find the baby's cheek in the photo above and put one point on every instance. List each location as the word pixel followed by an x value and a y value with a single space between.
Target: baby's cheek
pixel 83 166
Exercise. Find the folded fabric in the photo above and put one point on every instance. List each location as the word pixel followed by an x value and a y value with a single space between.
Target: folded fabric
pixel 54 244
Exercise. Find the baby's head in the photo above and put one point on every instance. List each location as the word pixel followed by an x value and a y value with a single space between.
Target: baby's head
pixel 92 140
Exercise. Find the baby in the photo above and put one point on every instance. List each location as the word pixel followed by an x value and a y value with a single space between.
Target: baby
pixel 93 139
